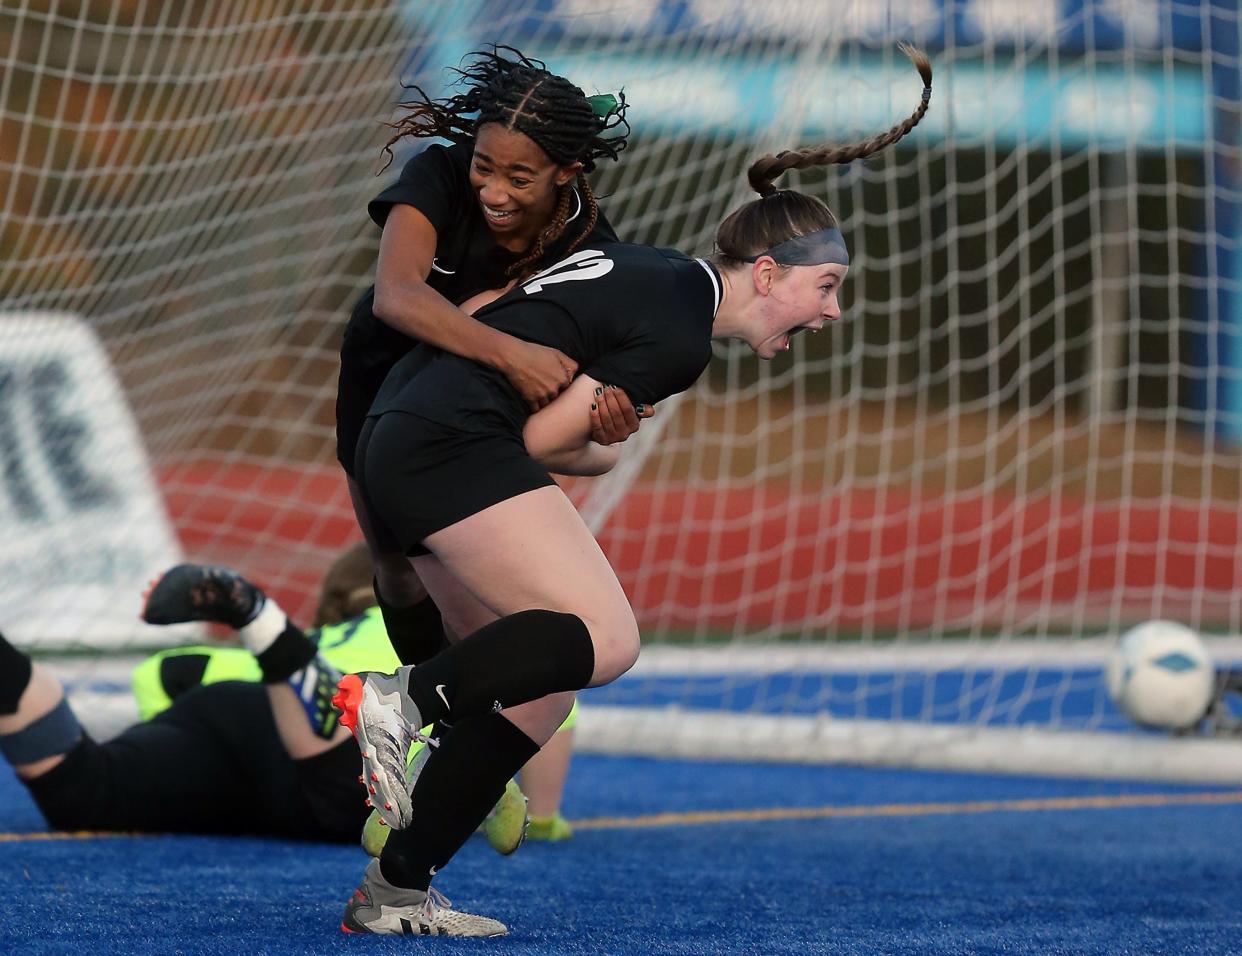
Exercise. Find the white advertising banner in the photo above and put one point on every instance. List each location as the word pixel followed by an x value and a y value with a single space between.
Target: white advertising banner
pixel 82 524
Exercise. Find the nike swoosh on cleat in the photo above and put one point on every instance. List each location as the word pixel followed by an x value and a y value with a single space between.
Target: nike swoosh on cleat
pixel 440 692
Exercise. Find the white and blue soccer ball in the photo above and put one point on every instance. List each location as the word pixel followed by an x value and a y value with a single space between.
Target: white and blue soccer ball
pixel 1161 675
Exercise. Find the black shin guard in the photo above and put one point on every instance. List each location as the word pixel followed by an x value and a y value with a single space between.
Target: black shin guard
pixel 463 779
pixel 14 676
pixel 516 659
pixel 415 632
pixel 289 653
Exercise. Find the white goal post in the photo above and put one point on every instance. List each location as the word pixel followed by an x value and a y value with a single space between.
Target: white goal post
pixel 1024 438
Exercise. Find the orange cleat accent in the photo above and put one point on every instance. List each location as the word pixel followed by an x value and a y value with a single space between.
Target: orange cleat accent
pixel 348 699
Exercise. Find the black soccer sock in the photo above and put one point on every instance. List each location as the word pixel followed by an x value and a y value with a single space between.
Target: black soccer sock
pixel 14 676
pixel 463 779
pixel 289 653
pixel 515 659
pixel 416 632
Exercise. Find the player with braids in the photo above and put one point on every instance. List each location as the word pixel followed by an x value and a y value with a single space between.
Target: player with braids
pixel 507 197
pixel 522 95
pixel 509 559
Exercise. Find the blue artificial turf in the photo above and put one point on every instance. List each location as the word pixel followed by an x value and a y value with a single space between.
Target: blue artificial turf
pixel 1119 880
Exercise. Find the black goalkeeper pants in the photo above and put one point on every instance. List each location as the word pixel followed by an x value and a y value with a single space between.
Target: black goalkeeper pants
pixel 212 763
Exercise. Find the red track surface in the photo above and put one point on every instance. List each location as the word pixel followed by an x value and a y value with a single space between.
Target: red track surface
pixel 753 556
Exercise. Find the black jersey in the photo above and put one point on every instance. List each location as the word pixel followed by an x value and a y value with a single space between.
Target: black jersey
pixel 632 316
pixel 467 259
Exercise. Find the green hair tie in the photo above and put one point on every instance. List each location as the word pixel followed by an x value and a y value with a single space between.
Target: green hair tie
pixel 603 104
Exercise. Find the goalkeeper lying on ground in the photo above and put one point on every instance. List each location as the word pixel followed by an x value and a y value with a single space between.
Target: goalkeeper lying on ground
pixel 221 724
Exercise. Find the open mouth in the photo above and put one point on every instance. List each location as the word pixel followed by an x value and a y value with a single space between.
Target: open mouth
pixel 784 342
pixel 498 217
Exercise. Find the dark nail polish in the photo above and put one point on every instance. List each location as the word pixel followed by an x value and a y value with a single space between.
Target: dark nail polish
pixel 599 391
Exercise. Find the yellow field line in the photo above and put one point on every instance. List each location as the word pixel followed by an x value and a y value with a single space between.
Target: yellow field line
pixel 700 817
pixel 67 835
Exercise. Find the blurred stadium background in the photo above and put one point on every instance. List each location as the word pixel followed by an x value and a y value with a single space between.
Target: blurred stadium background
pixel 928 523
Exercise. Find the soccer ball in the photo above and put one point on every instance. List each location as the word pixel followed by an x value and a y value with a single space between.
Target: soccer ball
pixel 1160 675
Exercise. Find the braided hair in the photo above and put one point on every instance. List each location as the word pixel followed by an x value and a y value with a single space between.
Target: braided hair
pixel 504 86
pixel 781 214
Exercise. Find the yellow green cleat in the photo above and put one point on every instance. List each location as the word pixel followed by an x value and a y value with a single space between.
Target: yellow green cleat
pixel 374 835
pixel 505 826
pixel 551 829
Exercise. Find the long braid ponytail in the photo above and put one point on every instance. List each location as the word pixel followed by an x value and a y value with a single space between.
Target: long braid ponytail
pixel 766 169
pixel 782 214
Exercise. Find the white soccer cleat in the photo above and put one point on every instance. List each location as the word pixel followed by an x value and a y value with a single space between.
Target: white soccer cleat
pixel 380 908
pixel 385 722
pixel 375 831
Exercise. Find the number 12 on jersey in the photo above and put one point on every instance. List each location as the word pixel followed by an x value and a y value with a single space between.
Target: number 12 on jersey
pixel 584 264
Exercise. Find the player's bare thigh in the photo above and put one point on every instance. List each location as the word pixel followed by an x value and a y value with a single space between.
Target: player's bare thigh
pixel 460 610
pixel 535 551
pixel 463 614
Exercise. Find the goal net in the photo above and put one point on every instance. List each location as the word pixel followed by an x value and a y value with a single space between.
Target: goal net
pixel 912 539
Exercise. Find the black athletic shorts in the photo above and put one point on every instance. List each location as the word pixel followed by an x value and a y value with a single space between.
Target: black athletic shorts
pixel 419 476
pixel 369 350
pixel 211 763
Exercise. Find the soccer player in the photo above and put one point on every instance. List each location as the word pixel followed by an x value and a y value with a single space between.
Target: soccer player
pixel 221 724
pixel 450 466
pixel 211 744
pixel 508 197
